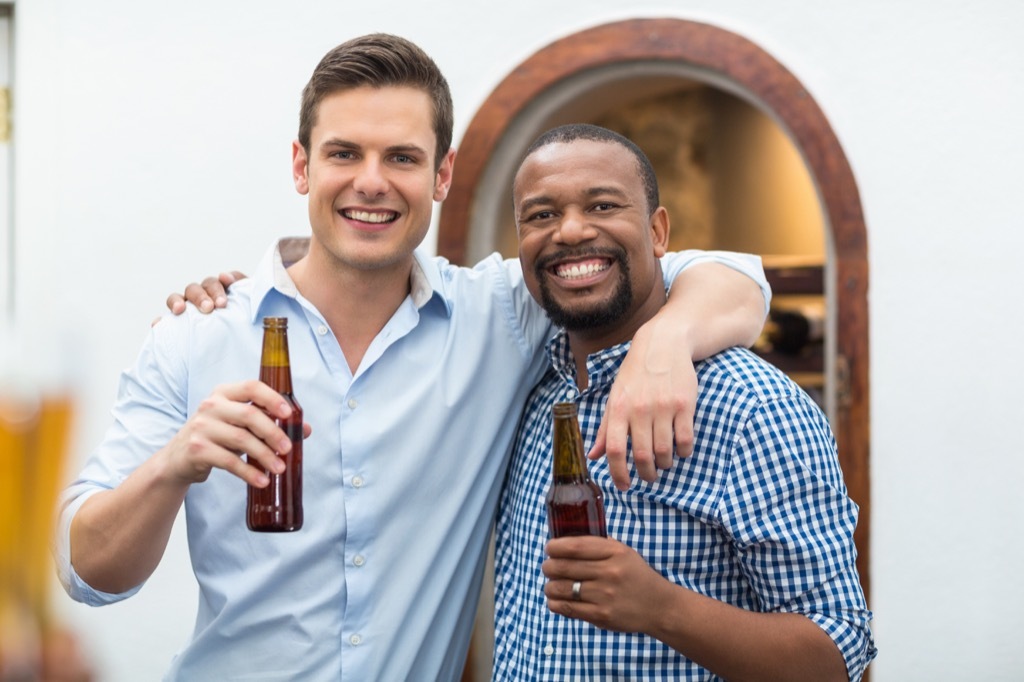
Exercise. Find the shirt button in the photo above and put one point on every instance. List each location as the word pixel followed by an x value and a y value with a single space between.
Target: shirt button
pixel 358 560
pixel 357 481
pixel 355 640
pixel 548 650
pixel 321 330
pixel 352 403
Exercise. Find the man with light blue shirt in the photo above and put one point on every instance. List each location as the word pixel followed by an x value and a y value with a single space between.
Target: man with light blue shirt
pixel 412 374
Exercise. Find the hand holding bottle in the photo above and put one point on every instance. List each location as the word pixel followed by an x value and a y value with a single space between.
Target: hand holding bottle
pixel 235 419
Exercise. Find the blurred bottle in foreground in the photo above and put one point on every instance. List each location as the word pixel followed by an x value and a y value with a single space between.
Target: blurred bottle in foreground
pixel 36 410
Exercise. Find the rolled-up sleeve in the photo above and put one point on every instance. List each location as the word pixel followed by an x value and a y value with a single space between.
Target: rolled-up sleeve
pixel 150 409
pixel 792 524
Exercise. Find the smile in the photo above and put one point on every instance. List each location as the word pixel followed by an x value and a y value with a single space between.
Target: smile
pixel 370 216
pixel 571 271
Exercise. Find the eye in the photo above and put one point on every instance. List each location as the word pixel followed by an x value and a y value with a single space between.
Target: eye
pixel 604 206
pixel 343 154
pixel 539 215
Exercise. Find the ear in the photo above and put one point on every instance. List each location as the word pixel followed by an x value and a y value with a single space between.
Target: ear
pixel 443 181
pixel 300 168
pixel 660 231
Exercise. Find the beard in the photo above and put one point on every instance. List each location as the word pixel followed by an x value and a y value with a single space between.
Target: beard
pixel 585 317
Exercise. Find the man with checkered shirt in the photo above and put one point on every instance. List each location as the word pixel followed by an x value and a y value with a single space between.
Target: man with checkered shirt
pixel 738 563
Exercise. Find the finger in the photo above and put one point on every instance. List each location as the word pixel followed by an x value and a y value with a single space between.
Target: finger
pixel 197 296
pixel 567 555
pixel 215 290
pixel 683 429
pixel 252 407
pixel 643 451
pixel 229 278
pixel 663 441
pixel 255 465
pixel 259 439
pixel 226 279
pixel 567 608
pixel 210 442
pixel 615 450
pixel 257 393
pixel 562 590
pixel 176 304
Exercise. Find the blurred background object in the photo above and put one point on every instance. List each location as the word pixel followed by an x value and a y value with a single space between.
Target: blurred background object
pixel 36 417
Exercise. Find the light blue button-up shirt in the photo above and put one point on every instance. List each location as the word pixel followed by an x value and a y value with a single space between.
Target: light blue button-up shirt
pixel 401 473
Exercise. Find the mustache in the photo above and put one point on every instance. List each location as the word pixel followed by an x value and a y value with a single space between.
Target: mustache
pixel 611 253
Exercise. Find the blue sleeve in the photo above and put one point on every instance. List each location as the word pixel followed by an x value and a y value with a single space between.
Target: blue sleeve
pixel 672 264
pixel 151 407
pixel 792 523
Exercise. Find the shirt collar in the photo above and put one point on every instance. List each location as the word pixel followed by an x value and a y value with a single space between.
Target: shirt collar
pixel 272 275
pixel 425 280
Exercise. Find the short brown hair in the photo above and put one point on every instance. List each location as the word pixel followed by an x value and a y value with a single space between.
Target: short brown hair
pixel 378 60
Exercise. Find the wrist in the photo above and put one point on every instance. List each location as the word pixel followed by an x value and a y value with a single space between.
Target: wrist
pixel 674 335
pixel 165 472
pixel 675 612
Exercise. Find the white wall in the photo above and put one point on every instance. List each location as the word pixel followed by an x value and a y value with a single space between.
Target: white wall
pixel 152 148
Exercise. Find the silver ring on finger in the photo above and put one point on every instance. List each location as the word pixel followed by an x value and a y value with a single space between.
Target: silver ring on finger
pixel 576 591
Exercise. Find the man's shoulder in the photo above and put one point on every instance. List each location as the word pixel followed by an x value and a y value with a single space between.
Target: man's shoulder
pixel 490 277
pixel 492 263
pixel 237 313
pixel 740 370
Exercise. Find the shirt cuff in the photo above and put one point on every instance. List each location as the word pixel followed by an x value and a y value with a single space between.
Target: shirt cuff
pixel 854 641
pixel 73 584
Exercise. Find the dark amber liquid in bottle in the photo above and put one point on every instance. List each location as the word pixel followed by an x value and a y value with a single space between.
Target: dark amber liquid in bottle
pixel 278 507
pixel 575 503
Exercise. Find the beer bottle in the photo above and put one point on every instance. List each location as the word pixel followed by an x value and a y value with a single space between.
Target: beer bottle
pixel 575 503
pixel 278 507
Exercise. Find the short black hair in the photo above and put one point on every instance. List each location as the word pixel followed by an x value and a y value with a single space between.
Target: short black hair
pixel 586 131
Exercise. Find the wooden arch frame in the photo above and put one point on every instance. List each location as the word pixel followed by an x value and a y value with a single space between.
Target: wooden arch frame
pixel 759 74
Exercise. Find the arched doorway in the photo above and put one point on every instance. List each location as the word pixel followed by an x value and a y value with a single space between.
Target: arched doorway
pixel 655 51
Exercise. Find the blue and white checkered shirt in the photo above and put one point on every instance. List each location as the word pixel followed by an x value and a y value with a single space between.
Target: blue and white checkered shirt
pixel 757 517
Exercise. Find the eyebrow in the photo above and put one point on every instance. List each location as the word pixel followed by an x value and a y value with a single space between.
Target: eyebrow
pixel 411 149
pixel 531 202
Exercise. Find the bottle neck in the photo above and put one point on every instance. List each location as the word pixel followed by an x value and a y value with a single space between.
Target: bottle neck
pixel 275 368
pixel 567 449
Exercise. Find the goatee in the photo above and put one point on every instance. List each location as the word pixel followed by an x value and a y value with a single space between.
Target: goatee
pixel 592 316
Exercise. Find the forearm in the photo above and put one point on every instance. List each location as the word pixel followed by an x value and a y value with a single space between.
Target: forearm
pixel 743 645
pixel 119 536
pixel 711 307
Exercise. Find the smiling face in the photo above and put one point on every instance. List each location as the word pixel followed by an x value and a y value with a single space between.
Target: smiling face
pixel 370 177
pixel 588 243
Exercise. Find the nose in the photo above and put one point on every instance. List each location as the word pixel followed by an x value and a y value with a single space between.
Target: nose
pixel 574 228
pixel 370 179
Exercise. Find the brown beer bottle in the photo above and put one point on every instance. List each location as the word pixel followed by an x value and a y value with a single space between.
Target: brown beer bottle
pixel 278 507
pixel 575 503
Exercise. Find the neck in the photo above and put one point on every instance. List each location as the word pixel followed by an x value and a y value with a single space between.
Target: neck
pixel 585 342
pixel 355 303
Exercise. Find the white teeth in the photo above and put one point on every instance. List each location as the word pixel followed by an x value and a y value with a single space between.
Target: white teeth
pixel 367 217
pixel 577 270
